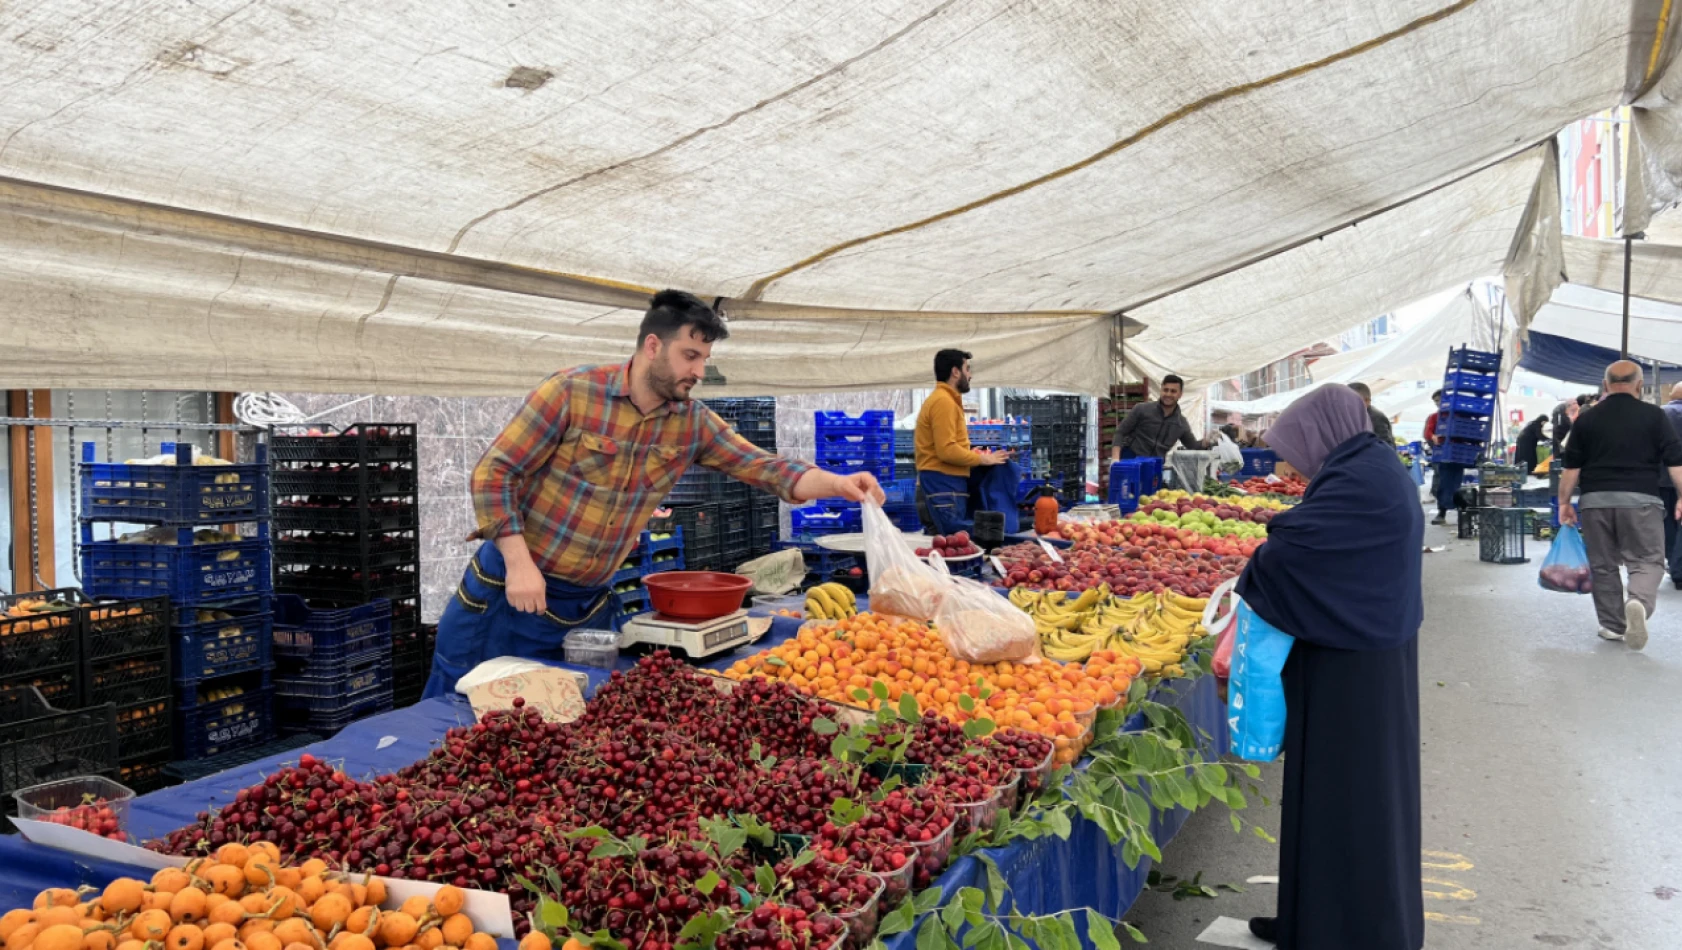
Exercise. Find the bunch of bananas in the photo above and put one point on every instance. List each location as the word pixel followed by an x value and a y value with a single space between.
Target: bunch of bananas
pixel 830 602
pixel 1155 628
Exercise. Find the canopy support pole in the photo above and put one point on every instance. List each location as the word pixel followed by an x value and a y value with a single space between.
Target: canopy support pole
pixel 1629 244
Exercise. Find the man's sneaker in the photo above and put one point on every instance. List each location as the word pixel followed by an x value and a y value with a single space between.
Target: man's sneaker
pixel 1440 519
pixel 1635 620
pixel 1606 634
pixel 1677 582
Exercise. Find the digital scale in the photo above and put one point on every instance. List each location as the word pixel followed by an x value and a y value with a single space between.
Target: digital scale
pixel 696 638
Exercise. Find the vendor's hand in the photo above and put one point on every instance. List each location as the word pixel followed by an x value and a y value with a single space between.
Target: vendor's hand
pixel 858 487
pixel 526 591
pixel 1568 514
pixel 990 457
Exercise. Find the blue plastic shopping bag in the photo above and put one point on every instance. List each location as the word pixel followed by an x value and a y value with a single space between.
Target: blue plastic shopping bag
pixel 1256 693
pixel 1566 568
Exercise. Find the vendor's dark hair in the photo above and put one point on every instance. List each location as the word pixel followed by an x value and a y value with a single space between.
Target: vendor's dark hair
pixel 945 362
pixel 1172 380
pixel 1437 395
pixel 671 311
pixel 1361 390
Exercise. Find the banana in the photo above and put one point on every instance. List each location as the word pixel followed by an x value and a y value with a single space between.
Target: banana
pixel 821 606
pixel 845 596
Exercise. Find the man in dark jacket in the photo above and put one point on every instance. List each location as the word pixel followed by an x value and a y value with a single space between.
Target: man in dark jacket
pixel 1614 448
pixel 1380 421
pixel 1524 456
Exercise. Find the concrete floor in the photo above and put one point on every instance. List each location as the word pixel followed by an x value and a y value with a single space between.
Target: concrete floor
pixel 1552 772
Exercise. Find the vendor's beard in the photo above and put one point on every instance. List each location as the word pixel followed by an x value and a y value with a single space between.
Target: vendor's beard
pixel 963 386
pixel 667 386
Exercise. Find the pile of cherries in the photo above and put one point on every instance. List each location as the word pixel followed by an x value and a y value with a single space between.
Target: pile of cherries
pixel 660 748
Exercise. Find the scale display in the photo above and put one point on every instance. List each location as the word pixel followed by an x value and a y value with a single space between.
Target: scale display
pixel 695 638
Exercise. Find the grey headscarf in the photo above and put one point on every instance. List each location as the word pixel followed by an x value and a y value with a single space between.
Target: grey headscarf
pixel 1307 432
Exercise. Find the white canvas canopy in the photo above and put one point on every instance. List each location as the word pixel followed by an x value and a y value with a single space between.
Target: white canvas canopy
pixel 449 197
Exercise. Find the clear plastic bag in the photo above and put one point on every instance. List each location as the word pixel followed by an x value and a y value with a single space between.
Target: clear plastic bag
pixel 1227 453
pixel 1566 568
pixel 901 583
pixel 979 626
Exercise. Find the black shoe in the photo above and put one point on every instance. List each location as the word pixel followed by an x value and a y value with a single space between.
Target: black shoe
pixel 1440 519
pixel 1677 581
pixel 1267 928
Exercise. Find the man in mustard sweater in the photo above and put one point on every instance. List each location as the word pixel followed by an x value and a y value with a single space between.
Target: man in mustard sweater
pixel 944 456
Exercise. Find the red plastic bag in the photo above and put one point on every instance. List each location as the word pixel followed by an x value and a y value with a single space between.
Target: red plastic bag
pixel 1223 626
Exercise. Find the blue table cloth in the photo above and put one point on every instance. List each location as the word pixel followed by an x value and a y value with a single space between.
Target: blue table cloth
pixel 1044 876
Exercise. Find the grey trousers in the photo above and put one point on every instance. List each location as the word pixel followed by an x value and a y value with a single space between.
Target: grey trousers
pixel 1631 538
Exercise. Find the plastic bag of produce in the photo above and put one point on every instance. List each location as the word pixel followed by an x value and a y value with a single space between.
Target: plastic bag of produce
pixel 979 626
pixel 1227 453
pixel 1256 693
pixel 1224 626
pixel 900 582
pixel 1566 568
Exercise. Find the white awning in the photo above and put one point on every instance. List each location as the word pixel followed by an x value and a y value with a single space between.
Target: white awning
pixel 460 198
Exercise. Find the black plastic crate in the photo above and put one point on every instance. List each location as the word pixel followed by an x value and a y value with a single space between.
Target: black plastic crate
pixel 40 743
pixel 145 775
pixel 700 486
pixel 1501 534
pixel 700 523
pixel 411 664
pixel 357 442
pixel 368 551
pixel 405 615
pixel 338 586
pixel 335 514
pixel 1047 410
pixel 334 682
pixel 61 687
pixel 116 628
pixel 384 480
pixel 295 718
pixel 40 631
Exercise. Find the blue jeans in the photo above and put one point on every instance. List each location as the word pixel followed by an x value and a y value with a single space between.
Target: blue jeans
pixel 1672 543
pixel 948 500
pixel 479 625
pixel 1449 475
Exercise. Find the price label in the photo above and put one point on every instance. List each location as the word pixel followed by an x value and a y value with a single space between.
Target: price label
pixel 1050 551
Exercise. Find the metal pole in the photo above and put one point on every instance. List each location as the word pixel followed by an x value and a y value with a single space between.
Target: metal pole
pixel 1629 244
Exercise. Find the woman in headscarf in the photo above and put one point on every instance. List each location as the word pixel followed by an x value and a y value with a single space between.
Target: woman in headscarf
pixel 1340 572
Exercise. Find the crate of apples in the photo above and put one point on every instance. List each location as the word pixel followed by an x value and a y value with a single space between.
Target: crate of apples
pixel 951 546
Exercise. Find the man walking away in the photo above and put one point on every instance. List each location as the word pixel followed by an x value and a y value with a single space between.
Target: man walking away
pixel 1615 446
pixel 1380 421
pixel 1449 474
pixel 1667 492
pixel 1150 429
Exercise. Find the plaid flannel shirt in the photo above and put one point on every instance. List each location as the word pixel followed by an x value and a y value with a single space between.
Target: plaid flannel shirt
pixel 580 470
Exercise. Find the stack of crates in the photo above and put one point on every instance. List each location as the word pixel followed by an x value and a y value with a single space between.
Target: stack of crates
pixel 332 667
pixel 348 517
pixel 765 524
pixel 699 523
pixel 411 664
pixel 1008 435
pixel 213 577
pixel 1467 414
pixel 1111 410
pixel 659 549
pixel 1058 442
pixel 861 443
pixel 905 453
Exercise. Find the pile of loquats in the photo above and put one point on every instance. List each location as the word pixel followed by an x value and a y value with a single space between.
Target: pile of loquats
pixel 243 898
pixel 837 659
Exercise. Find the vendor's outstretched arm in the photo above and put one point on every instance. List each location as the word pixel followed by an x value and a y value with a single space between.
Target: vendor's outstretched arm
pixel 858 486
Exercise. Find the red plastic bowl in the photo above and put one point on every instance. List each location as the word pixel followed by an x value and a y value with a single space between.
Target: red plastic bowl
pixel 696 595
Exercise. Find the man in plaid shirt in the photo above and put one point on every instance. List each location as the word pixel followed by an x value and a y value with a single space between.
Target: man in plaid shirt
pixel 565 491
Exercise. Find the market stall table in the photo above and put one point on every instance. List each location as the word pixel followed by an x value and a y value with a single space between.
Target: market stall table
pixel 1045 875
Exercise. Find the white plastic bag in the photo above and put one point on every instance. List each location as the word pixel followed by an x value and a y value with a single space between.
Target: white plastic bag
pixel 1230 457
pixel 979 626
pixel 900 583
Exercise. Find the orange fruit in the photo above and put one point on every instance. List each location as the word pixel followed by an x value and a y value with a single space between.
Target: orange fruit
pixel 538 940
pixel 151 925
pixel 456 929
pixel 59 937
pixel 330 911
pixel 123 896
pixel 185 937
pixel 218 934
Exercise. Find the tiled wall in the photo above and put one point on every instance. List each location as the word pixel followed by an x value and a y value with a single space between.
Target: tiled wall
pixel 454 432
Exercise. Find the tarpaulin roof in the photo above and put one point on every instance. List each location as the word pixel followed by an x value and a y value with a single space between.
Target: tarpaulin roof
pixel 1574 361
pixel 449 197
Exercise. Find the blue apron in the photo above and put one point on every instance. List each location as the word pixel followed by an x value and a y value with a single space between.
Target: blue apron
pixel 948 501
pixel 479 625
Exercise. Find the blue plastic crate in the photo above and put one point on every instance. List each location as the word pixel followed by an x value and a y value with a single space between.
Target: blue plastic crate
pixel 1462 427
pixel 328 687
pixel 182 493
pixel 871 422
pixel 1469 381
pixel 213 727
pixel 817 520
pixel 648 549
pixel 1258 463
pixel 185 571
pixel 1457 453
pixel 1473 404
pixel 1478 360
pixel 900 491
pixel 294 719
pixel 310 635
pixel 1127 482
pixel 242 641
pixel 883 470
pixel 820 560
